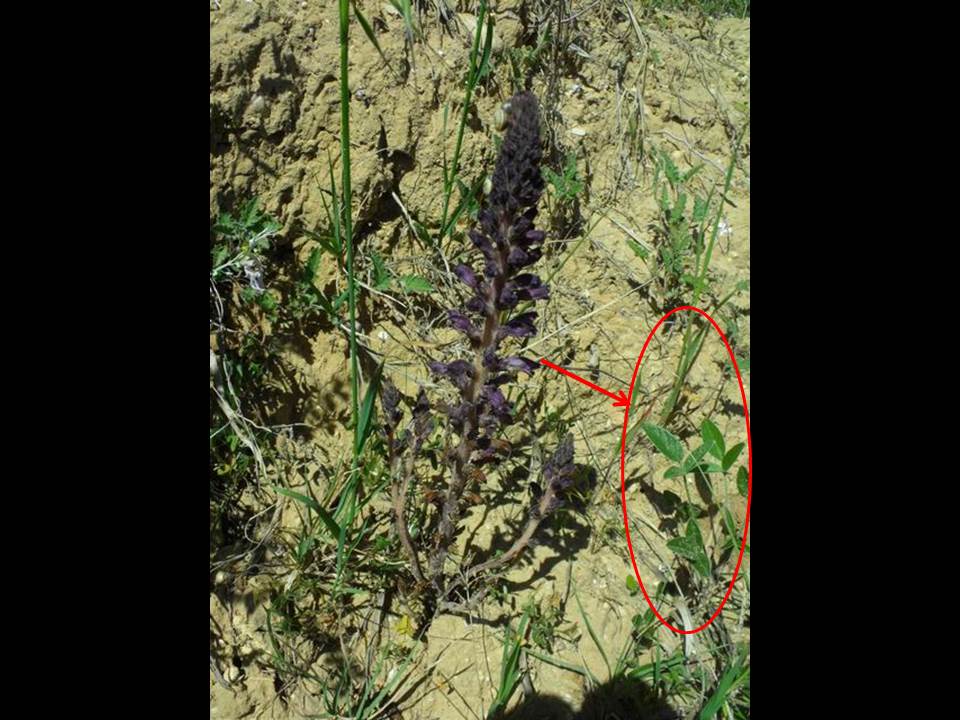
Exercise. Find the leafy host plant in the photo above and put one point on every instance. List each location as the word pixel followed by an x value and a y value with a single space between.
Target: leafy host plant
pixel 508 242
pixel 691 546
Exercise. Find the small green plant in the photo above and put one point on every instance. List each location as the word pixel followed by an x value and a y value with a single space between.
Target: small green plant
pixel 690 545
pixel 685 249
pixel 238 252
pixel 545 617
pixel 567 184
pixel 679 233
pixel 526 60
pixel 510 670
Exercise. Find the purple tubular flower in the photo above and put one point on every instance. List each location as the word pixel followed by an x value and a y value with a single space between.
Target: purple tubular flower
pixel 508 297
pixel 462 323
pixel 495 363
pixel 518 363
pixel 558 474
pixel 460 372
pixel 519 257
pixel 497 402
pixel 476 304
pixel 458 415
pixel 422 420
pixel 466 274
pixel 390 401
pixel 520 326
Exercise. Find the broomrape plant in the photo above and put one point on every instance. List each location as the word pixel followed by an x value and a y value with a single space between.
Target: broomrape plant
pixel 509 242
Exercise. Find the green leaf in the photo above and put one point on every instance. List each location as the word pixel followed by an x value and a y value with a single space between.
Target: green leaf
pixel 675 471
pixel 713 439
pixel 743 484
pixel 691 172
pixel 381 278
pixel 368 410
pixel 633 587
pixel 340 300
pixel 691 547
pixel 326 517
pixel 693 459
pixel 415 284
pixel 731 457
pixel 670 170
pixel 222 252
pixel 664 440
pixel 700 207
pixel 638 249
pixel 313 264
pixel 327 242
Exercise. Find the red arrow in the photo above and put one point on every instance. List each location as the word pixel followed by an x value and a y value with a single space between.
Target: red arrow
pixel 621 399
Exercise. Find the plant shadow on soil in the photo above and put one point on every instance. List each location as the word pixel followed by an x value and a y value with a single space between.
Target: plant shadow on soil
pixel 618 698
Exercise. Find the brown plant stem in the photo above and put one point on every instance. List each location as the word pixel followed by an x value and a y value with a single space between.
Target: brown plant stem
pixel 398 492
pixel 515 550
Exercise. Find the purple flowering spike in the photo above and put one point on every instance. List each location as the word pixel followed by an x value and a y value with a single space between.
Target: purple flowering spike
pixel 558 470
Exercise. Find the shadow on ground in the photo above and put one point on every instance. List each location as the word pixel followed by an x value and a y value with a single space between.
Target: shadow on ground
pixel 618 699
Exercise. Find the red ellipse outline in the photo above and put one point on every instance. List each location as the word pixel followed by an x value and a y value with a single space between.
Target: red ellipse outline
pixel 623 482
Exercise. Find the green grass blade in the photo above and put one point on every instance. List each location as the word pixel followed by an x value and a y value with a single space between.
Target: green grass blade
pixel 509 666
pixel 326 517
pixel 724 687
pixel 368 31
pixel 593 635
pixel 557 662
pixel 472 78
pixel 347 212
pixel 487 47
pixel 369 410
